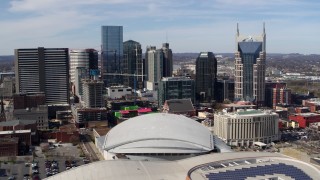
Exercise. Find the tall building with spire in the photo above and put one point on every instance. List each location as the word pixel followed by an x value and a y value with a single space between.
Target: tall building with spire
pixel 250 65
pixel 167 60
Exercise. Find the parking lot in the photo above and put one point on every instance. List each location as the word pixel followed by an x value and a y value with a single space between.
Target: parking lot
pixel 55 160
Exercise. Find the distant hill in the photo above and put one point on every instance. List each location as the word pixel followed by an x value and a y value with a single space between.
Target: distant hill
pixel 7 58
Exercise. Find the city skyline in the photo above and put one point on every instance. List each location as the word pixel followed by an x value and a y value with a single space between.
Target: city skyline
pixel 189 26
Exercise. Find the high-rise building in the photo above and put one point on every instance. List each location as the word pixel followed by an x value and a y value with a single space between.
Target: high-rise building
pixel 81 73
pixel 250 68
pixel 112 54
pixel 154 66
pixel 7 87
pixel 93 93
pixel 133 65
pixel 87 58
pixel 224 91
pixel 167 60
pixel 206 76
pixel 176 88
pixel 43 70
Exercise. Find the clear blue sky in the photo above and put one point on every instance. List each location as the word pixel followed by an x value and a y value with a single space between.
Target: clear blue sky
pixel 190 25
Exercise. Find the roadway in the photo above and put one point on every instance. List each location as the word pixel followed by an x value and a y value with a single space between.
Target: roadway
pixel 87 148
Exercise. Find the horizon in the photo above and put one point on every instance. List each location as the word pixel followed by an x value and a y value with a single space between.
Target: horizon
pixel 188 26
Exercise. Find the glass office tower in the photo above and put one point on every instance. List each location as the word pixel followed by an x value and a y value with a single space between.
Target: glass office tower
pixel 133 65
pixel 250 68
pixel 112 54
pixel 206 77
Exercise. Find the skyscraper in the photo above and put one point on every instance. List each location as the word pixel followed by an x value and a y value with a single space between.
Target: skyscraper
pixel 133 65
pixel 167 60
pixel 112 54
pixel 43 70
pixel 250 68
pixel 86 58
pixel 206 76
pixel 154 67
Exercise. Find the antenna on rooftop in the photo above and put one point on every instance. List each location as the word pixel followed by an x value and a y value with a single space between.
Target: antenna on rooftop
pixel 238 29
pixel 166 36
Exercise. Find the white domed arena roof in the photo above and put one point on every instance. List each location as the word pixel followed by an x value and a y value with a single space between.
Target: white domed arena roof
pixel 159 133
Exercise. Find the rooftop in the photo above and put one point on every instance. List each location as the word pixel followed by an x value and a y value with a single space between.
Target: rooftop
pixel 177 78
pixel 16 131
pixel 17 122
pixel 179 105
pixel 307 114
pixel 249 112
pixel 195 168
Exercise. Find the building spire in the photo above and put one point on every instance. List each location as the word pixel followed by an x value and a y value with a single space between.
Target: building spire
pixel 264 28
pixel 238 29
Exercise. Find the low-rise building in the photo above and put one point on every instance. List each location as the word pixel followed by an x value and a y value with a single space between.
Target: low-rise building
pixel 84 115
pixel 244 127
pixel 40 114
pixel 313 104
pixel 23 135
pixel 18 125
pixel 9 146
pixel 66 134
pixel 179 106
pixel 118 92
pixel 304 119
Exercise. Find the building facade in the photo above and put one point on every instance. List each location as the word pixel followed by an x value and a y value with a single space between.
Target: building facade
pixel 40 114
pixel 93 93
pixel 7 87
pixel 112 54
pixel 133 65
pixel 305 119
pixel 176 88
pixel 28 100
pixel 9 147
pixel 154 67
pixel 86 58
pixel 250 68
pixel 206 76
pixel 244 127
pixel 167 60
pixel 224 91
pixel 118 92
pixel 43 70
pixel 81 74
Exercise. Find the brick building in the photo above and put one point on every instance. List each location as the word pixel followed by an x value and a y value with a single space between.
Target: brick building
pixel 66 134
pixel 30 100
pixel 23 135
pixel 304 119
pixel 18 125
pixel 9 146
pixel 313 104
